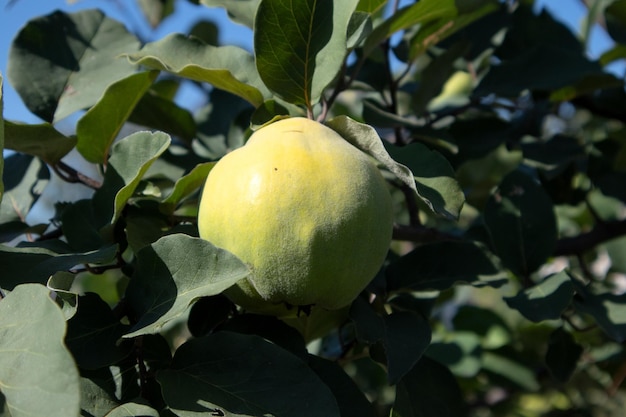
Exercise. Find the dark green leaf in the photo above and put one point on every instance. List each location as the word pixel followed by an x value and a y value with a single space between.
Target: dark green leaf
pixel 37 374
pixel 94 333
pixel 434 177
pixel 543 68
pixel 429 390
pixel 97 396
pixel 562 355
pixel 241 11
pixel 350 398
pixel 359 27
pixel 587 85
pixel 207 31
pixel 161 113
pixel 99 127
pixel 40 140
pixel 234 374
pixel 546 300
pixel 207 313
pixel 370 6
pixel 80 226
pixel 404 335
pixel 493 331
pixel 130 159
pixel 615 15
pixel 301 45
pixel 13 229
pixel 439 266
pixel 37 264
pixel 227 67
pixel 521 222
pixel 607 309
pixel 174 272
pixel 77 56
pixel 557 151
pixel 476 137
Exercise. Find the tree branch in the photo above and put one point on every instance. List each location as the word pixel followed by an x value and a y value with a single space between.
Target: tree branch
pixel 602 232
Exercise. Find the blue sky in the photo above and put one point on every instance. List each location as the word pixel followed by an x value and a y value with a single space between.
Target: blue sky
pixel 13 17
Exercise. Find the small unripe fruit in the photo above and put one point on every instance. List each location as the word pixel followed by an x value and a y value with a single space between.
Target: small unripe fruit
pixel 307 211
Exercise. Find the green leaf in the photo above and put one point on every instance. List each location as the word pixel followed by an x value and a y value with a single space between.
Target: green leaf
pixel 461 352
pixel 366 138
pixel 300 46
pixel 607 309
pixel 232 374
pixel 506 365
pixel 241 11
pixel 94 333
pixel 99 127
pixel 546 300
pixel 434 177
pixel 435 31
pixel 40 140
pixel 61 283
pixel 159 112
pixel 521 223
pixel 24 177
pixel 174 272
pixel 370 6
pixel 76 55
pixel 37 264
pixel 429 390
pixel 97 395
pixel 562 355
pixel 185 186
pixel 419 13
pixel 13 229
pixel 130 159
pixel 156 10
pixel 439 266
pixel 229 68
pixel 37 374
pixel 132 409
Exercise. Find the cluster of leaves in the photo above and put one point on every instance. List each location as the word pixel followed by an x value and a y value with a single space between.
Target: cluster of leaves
pixel 502 293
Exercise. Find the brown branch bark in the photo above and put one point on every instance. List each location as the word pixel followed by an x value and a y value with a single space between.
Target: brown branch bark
pixel 602 232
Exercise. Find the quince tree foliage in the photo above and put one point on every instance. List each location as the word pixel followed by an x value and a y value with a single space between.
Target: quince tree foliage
pixel 502 145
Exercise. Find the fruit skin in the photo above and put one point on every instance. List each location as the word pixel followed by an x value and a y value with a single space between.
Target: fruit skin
pixel 307 211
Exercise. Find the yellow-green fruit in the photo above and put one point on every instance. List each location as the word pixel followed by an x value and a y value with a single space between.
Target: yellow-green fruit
pixel 307 211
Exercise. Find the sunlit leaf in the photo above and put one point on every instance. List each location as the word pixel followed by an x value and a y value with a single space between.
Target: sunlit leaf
pixel 99 127
pixel 174 272
pixel 241 11
pixel 506 366
pixel 37 374
pixel 228 68
pixel 232 374
pixel 77 56
pixel 132 409
pixel 301 45
pixel 25 178
pixel 607 309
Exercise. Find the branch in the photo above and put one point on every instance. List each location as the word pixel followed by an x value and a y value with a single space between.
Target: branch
pixel 601 233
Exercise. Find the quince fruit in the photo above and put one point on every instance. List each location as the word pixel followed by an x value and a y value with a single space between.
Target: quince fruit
pixel 307 211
